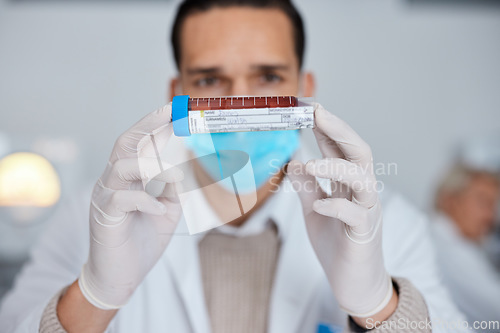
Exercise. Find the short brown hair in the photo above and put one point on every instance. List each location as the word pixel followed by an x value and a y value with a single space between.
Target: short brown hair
pixel 188 7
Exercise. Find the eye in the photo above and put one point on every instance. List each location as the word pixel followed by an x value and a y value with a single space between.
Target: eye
pixel 207 81
pixel 270 78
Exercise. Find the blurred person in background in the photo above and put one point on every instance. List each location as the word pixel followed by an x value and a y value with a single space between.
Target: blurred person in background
pixel 482 152
pixel 466 203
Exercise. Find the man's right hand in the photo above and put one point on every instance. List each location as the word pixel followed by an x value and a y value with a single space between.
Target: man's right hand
pixel 129 229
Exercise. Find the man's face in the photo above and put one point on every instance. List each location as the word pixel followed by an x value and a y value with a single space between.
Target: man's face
pixel 474 208
pixel 238 51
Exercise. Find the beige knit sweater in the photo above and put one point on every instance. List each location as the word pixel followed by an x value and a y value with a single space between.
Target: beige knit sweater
pixel 237 274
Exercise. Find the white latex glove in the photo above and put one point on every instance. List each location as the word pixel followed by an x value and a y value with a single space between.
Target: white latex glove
pixel 345 227
pixel 129 229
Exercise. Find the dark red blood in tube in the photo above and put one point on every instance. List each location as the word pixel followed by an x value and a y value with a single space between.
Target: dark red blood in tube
pixel 228 103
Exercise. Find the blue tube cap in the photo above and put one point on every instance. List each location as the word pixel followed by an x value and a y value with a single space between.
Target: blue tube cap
pixel 180 115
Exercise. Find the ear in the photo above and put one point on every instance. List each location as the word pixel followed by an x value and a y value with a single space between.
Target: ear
pixel 308 84
pixel 174 84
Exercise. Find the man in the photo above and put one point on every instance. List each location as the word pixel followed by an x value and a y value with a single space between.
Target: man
pixel 466 205
pixel 295 264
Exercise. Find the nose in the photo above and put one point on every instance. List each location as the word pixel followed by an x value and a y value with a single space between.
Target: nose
pixel 240 87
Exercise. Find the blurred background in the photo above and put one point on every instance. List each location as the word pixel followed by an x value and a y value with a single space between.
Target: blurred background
pixel 418 80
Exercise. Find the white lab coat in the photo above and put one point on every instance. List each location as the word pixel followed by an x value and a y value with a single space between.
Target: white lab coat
pixel 471 278
pixel 170 299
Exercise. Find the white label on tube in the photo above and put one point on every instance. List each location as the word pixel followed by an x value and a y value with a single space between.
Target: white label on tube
pixel 258 119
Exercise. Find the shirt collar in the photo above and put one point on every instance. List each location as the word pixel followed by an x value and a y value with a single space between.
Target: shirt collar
pixel 279 209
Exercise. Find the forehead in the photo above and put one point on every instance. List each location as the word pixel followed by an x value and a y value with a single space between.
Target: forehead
pixel 237 36
pixel 485 183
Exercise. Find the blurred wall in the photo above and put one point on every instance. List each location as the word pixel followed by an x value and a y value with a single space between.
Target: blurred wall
pixel 412 80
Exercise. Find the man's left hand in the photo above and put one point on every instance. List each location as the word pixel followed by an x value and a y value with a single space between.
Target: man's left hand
pixel 345 225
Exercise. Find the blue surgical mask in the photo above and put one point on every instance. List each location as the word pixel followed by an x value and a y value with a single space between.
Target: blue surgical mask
pixel 268 151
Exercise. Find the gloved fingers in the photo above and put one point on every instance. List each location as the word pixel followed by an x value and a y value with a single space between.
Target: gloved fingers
pixel 339 190
pixel 119 203
pixel 120 174
pixel 164 190
pixel 152 145
pixel 351 145
pixel 114 225
pixel 166 224
pixel 360 182
pixel 305 185
pixel 130 143
pixel 327 146
pixel 342 209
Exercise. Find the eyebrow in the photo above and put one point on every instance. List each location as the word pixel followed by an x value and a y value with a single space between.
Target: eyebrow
pixel 265 68
pixel 214 70
pixel 204 70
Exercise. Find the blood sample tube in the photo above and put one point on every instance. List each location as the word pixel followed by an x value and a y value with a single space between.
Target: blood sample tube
pixel 240 114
